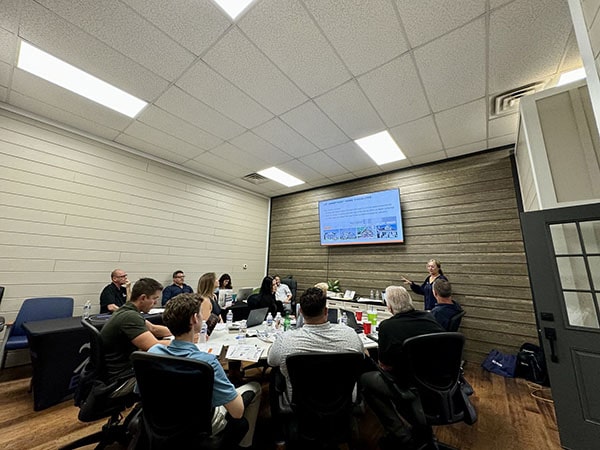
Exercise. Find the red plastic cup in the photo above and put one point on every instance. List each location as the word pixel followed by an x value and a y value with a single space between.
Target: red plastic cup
pixel 358 316
pixel 367 327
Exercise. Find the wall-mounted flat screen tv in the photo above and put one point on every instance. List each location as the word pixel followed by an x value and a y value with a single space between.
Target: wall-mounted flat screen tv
pixel 373 218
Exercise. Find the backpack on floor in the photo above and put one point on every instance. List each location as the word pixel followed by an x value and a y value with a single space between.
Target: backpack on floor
pixel 531 364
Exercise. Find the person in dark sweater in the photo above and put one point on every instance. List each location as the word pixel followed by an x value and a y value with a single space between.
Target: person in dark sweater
pixel 406 322
pixel 445 307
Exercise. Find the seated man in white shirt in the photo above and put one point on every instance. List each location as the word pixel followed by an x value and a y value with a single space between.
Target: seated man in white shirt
pixel 283 294
pixel 317 334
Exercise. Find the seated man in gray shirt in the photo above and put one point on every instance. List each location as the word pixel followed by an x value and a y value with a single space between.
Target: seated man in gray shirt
pixel 317 334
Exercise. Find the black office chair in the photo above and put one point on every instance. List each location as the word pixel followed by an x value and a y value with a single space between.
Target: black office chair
pixel 2 319
pixel 293 285
pixel 322 406
pixel 434 364
pixel 454 322
pixel 98 399
pixel 177 404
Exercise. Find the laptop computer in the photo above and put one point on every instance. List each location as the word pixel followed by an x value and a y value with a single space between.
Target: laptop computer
pixel 244 293
pixel 351 321
pixel 256 317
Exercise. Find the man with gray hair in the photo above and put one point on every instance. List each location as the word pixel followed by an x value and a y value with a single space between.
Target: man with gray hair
pixel 405 323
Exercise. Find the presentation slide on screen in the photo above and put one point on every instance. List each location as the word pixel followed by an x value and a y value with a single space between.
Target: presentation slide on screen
pixel 373 218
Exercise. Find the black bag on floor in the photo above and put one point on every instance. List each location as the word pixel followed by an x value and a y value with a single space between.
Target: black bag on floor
pixel 531 364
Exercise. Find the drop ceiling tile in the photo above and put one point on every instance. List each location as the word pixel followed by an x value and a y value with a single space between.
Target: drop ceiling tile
pixel 418 137
pixel 594 36
pixel 572 58
pixel 350 110
pixel 426 20
pixel 500 141
pixel 310 122
pixel 243 64
pixel 239 157
pixel 301 171
pixel 369 171
pixel 295 44
pixel 590 10
pixel 63 40
pixel 463 125
pixel 503 125
pixel 51 94
pixel 281 135
pixel 3 94
pixel 8 46
pixel 9 19
pixel 526 43
pixel 257 146
pixel 350 156
pixel 497 3
pixel 396 165
pixel 124 30
pixel 211 88
pixel 150 149
pixel 177 102
pixel 64 117
pixel 181 21
pixel 365 34
pixel 216 166
pixel 168 123
pixel 161 139
pixel 466 149
pixel 453 67
pixel 344 177
pixel 395 91
pixel 323 164
pixel 5 70
pixel 428 157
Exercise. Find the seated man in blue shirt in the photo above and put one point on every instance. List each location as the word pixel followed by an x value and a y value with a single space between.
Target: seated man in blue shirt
pixel 445 307
pixel 182 316
pixel 178 287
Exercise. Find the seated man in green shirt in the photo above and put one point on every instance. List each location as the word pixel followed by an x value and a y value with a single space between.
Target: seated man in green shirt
pixel 127 330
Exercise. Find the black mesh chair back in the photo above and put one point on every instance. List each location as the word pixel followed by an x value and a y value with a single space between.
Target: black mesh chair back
pixel 176 398
pixel 322 386
pixel 434 366
pixel 97 398
pixel 454 322
pixel 240 311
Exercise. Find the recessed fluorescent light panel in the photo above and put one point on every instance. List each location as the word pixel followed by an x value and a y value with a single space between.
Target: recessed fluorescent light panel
pixel 46 66
pixel 381 148
pixel 280 176
pixel 233 8
pixel 571 76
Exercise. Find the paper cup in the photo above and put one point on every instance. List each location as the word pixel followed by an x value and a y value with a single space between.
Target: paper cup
pixel 367 327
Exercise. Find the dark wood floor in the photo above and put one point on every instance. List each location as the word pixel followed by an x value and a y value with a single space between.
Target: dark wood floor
pixel 510 417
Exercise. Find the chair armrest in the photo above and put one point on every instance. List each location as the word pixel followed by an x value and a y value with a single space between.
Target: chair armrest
pixel 2 322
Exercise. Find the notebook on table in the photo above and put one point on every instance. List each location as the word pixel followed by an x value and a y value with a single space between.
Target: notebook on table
pixel 256 317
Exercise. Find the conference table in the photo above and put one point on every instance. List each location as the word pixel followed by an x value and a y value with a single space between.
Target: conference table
pixel 59 350
pixel 259 337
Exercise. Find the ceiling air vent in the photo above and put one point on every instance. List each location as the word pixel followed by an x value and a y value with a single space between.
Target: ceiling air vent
pixel 508 102
pixel 255 178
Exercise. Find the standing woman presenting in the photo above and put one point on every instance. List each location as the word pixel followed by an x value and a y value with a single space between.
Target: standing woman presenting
pixel 434 267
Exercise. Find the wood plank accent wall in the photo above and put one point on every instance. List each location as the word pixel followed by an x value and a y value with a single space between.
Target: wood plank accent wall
pixel 74 209
pixel 463 212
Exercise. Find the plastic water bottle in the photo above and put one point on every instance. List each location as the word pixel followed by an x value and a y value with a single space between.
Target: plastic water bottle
pixel 278 320
pixel 229 320
pixel 269 321
pixel 286 322
pixel 344 318
pixel 377 294
pixel 241 336
pixel 203 331
pixel 371 296
pixel 87 309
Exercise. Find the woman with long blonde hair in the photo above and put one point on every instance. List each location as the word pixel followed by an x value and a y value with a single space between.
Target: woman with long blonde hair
pixel 207 284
